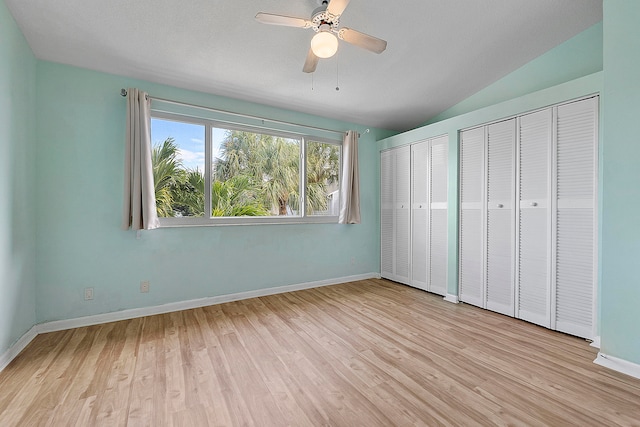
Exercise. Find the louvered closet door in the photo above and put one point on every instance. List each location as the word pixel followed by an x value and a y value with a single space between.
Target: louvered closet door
pixel 575 219
pixel 402 228
pixel 419 214
pixel 533 286
pixel 438 248
pixel 387 203
pixel 501 141
pixel 471 256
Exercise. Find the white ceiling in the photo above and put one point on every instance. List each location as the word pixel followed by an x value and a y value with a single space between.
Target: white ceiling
pixel 439 51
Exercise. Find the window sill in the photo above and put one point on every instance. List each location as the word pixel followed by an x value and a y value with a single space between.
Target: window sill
pixel 227 221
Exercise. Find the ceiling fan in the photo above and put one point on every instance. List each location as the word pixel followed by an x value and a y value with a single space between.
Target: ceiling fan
pixel 325 22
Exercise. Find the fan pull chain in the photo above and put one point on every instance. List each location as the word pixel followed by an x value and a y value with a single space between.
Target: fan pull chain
pixel 337 85
pixel 312 81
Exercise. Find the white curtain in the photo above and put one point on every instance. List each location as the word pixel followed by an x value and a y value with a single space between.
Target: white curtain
pixel 139 211
pixel 350 185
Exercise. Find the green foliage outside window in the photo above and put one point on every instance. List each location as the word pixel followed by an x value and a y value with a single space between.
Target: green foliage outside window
pixel 255 175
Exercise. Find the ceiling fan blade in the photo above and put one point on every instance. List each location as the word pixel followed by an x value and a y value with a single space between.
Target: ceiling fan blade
pixel 287 21
pixel 362 40
pixel 311 62
pixel 336 7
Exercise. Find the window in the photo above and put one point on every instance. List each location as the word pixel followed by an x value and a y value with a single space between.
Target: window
pixel 323 174
pixel 211 172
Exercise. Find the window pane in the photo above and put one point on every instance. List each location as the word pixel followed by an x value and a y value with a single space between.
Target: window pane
pixel 178 167
pixel 254 174
pixel 323 172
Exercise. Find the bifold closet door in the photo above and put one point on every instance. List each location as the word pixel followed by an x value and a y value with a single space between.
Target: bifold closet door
pixel 403 214
pixel 386 214
pixel 533 268
pixel 499 294
pixel 419 214
pixel 471 241
pixel 395 214
pixel 575 218
pixel 528 224
pixel 438 247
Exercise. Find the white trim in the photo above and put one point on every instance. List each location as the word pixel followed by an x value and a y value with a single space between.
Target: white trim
pixel 451 298
pixel 60 325
pixel 246 220
pixel 17 347
pixel 596 342
pixel 620 365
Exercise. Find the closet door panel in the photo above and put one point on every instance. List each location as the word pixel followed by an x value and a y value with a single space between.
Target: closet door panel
pixel 419 232
pixel 402 230
pixel 500 224
pixel 574 272
pixel 386 214
pixel 533 304
pixel 419 214
pixel 471 253
pixel 533 286
pixel 438 253
pixel 402 214
pixel 575 221
pixel 499 294
pixel 439 165
pixel 438 243
pixel 471 277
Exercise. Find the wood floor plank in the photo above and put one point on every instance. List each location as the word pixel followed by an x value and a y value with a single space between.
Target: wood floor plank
pixel 367 353
pixel 311 369
pixel 149 385
pixel 281 341
pixel 56 380
pixel 272 369
pixel 327 350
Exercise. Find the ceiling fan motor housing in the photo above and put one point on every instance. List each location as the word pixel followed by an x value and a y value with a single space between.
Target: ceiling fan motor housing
pixel 323 21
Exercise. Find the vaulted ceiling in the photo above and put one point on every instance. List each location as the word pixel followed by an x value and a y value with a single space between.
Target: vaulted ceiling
pixel 439 51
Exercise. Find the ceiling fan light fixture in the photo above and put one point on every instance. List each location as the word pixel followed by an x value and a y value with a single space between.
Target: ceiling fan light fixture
pixel 325 21
pixel 324 44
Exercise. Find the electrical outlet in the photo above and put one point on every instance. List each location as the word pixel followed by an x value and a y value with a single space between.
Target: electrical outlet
pixel 144 286
pixel 88 294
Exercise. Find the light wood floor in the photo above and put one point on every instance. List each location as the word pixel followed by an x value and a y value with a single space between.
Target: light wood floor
pixel 367 353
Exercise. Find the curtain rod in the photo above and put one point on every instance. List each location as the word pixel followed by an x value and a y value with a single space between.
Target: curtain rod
pixel 123 92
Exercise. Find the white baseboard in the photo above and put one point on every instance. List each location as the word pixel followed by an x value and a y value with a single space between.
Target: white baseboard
pixel 78 322
pixel 620 365
pixel 452 298
pixel 596 342
pixel 17 347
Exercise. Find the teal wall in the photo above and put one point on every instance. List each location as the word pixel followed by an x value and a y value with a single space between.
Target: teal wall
pixel 79 163
pixel 620 327
pixel 577 57
pixel 17 182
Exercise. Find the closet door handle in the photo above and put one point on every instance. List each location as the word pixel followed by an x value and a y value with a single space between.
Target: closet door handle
pixel 534 203
pixel 500 205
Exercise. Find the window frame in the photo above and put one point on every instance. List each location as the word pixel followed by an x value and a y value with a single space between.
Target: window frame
pixel 209 124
